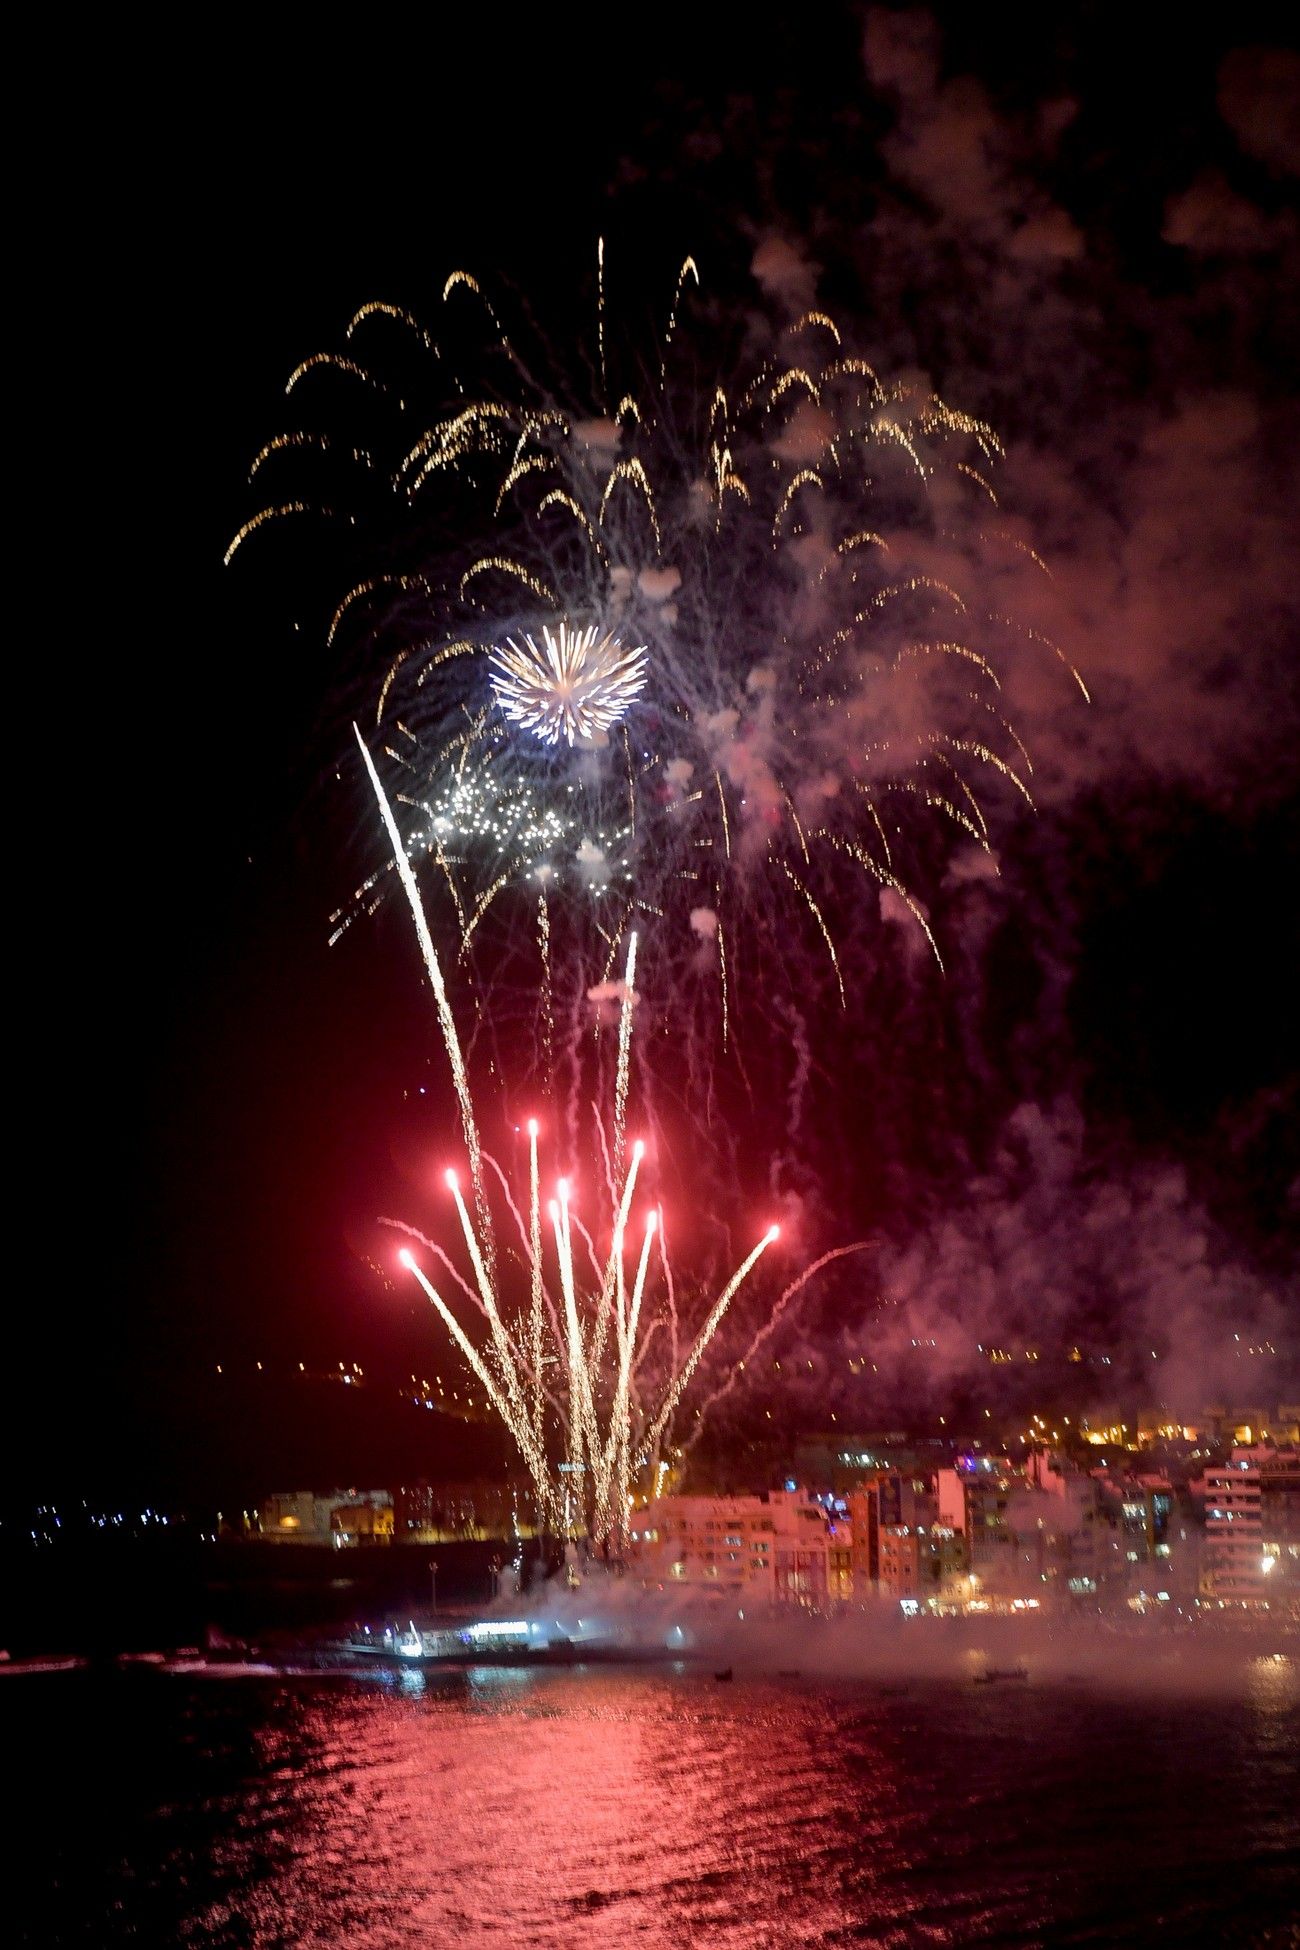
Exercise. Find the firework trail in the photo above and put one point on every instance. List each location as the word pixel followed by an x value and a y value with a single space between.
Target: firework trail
pixel 612 1427
pixel 554 1374
pixel 698 657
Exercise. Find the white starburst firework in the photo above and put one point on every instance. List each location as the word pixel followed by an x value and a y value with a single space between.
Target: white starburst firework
pixel 575 686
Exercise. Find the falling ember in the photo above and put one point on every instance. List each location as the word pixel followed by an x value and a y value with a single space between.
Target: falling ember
pixel 720 644
pixel 575 686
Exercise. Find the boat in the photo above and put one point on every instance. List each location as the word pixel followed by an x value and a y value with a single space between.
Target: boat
pixel 996 1674
pixel 498 1642
pixel 28 1668
pixel 724 1675
pixel 492 1642
pixel 206 1668
pixel 406 1646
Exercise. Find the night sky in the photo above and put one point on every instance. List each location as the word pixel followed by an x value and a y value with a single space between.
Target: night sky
pixel 1089 1130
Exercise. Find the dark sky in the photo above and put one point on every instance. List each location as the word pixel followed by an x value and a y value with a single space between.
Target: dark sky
pixel 1090 241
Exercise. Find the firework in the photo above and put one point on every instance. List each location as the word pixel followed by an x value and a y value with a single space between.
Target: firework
pixel 573 1355
pixel 566 1373
pixel 698 659
pixel 574 687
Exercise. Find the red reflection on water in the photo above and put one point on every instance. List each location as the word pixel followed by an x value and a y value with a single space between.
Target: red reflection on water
pixel 576 1809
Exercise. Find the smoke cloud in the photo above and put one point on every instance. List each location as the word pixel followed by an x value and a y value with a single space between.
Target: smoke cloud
pixel 1027 1188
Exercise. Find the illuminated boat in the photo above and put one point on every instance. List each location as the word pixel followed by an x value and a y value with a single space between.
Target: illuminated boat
pixel 31 1668
pixel 502 1642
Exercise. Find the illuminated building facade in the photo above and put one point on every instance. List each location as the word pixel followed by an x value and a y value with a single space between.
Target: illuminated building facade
pixel 774 1547
pixel 340 1519
pixel 863 1506
pixel 1252 1527
pixel 1032 1535
pixel 839 1563
pixel 707 1544
pixel 889 1499
pixel 435 1513
pixel 922 1563
pixel 973 1498
pixel 1254 1424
